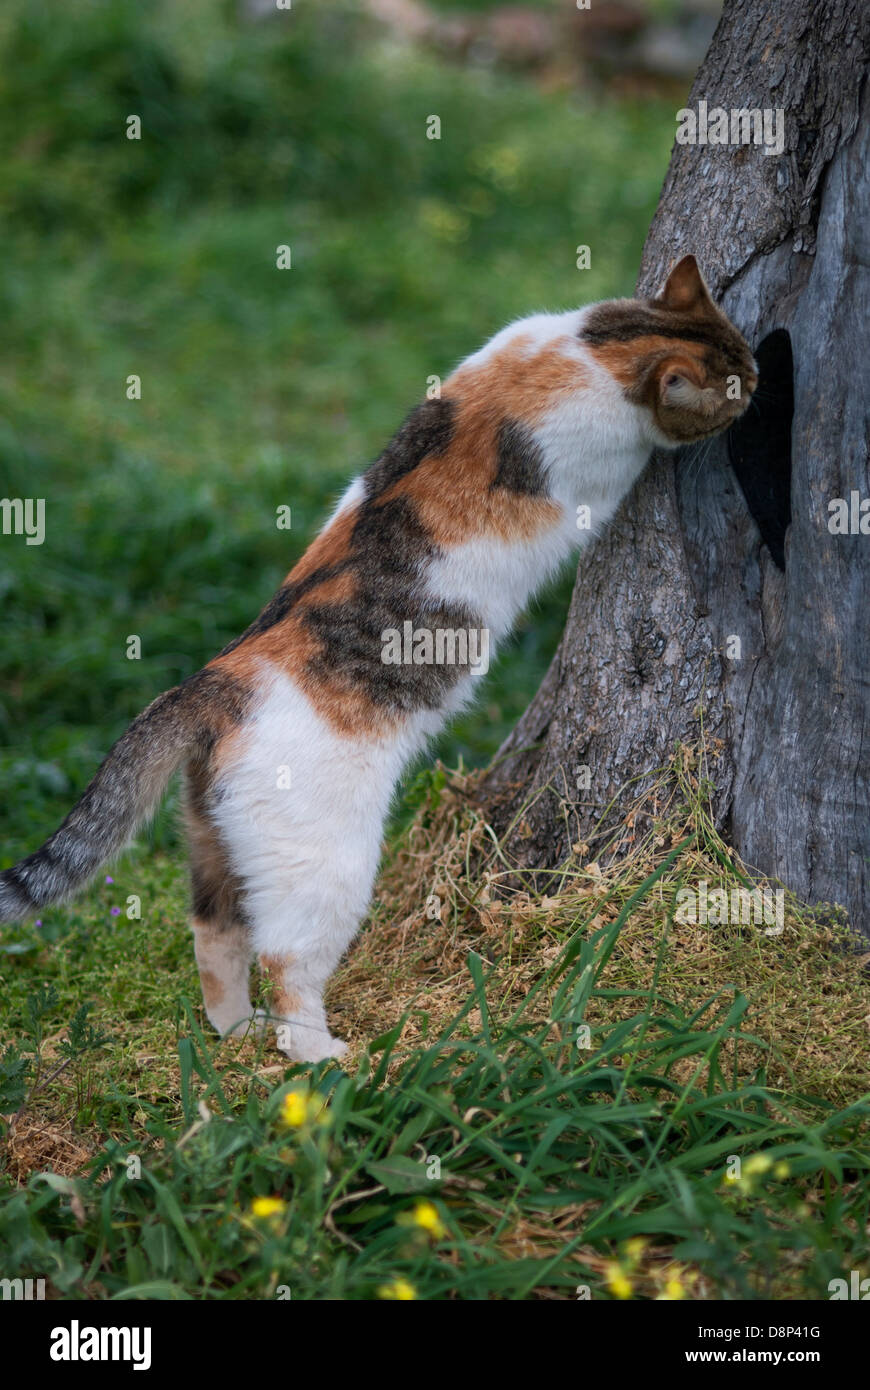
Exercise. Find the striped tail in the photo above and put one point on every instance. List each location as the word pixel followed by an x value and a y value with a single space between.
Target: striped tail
pixel 125 791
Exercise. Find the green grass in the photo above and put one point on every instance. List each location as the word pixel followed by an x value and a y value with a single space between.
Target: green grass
pixel 543 1162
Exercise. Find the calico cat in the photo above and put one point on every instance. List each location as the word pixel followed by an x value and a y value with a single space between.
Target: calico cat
pixel 293 737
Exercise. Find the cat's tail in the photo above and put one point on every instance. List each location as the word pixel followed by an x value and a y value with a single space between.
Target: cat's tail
pixel 125 791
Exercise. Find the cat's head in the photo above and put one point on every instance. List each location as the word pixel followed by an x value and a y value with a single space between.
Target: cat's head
pixel 678 355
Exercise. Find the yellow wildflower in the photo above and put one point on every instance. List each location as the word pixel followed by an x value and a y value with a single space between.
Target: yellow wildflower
pixel 426 1216
pixel 618 1282
pixel 294 1108
pixel 674 1287
pixel 399 1289
pixel 266 1207
pixel 756 1164
pixel 301 1107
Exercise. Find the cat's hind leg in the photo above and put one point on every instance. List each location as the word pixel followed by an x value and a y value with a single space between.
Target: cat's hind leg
pixel 305 914
pixel 297 1010
pixel 222 939
pixel 223 956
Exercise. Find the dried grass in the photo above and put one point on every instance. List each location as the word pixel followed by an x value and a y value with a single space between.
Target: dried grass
pixel 447 889
pixel 38 1142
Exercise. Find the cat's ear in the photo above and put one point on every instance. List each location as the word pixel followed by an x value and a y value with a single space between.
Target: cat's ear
pixel 685 290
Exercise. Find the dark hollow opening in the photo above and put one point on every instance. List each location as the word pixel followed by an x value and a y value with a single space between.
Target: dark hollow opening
pixel 759 444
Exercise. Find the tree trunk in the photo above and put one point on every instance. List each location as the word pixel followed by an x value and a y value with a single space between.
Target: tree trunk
pixel 720 603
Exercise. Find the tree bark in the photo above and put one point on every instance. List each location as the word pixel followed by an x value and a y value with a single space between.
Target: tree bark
pixel 693 560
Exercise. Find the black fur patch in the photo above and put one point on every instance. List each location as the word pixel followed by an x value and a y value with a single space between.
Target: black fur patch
pixel 620 323
pixel 520 461
pixel 389 550
pixel 217 895
pixel 427 431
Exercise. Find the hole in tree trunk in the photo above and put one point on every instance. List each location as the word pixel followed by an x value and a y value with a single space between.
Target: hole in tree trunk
pixel 759 444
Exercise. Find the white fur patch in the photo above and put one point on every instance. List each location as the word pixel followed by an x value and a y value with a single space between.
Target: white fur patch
pixel 306 852
pixel 594 444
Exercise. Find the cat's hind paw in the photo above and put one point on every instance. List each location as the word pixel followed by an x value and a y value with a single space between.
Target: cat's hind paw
pixel 310 1046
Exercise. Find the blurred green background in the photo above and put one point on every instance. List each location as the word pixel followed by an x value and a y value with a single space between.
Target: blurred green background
pixel 260 386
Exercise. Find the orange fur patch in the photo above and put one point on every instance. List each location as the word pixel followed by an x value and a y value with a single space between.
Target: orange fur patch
pixel 277 970
pixel 213 990
pixel 517 381
pixel 291 646
pixel 452 492
pixel 336 590
pixel 329 548
pixel 209 940
pixel 623 360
